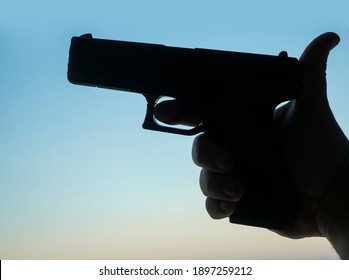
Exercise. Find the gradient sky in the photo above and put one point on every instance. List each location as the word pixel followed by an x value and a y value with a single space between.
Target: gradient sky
pixel 80 178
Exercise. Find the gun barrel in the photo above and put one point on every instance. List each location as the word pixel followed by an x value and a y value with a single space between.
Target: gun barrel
pixel 152 69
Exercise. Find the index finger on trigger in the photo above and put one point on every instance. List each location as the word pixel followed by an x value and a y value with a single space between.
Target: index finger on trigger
pixel 174 112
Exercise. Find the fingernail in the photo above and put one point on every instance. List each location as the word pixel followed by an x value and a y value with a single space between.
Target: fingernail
pixel 336 41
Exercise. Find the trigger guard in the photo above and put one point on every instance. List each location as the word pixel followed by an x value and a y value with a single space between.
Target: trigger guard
pixel 151 123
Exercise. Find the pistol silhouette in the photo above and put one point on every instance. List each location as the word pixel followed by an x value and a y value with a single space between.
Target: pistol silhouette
pixel 235 93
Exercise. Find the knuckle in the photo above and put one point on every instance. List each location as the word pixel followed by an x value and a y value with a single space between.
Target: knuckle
pixel 208 183
pixel 218 186
pixel 211 208
pixel 210 156
pixel 219 209
pixel 203 179
pixel 198 151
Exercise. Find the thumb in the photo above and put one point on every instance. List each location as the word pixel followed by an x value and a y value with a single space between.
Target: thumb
pixel 318 50
pixel 314 63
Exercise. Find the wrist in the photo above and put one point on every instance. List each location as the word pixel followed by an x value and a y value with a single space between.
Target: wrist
pixel 333 212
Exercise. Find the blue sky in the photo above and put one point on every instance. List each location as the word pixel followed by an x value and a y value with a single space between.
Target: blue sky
pixel 80 178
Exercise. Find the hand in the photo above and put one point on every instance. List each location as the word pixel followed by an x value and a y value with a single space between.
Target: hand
pixel 313 147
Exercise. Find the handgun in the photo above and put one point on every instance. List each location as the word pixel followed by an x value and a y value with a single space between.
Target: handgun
pixel 235 93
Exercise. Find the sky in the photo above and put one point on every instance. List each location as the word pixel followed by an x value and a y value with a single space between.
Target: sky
pixel 80 178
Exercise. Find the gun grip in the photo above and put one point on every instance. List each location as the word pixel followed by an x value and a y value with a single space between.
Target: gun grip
pixel 245 127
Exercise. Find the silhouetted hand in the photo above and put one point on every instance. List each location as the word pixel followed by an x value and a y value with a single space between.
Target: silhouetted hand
pixel 313 146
